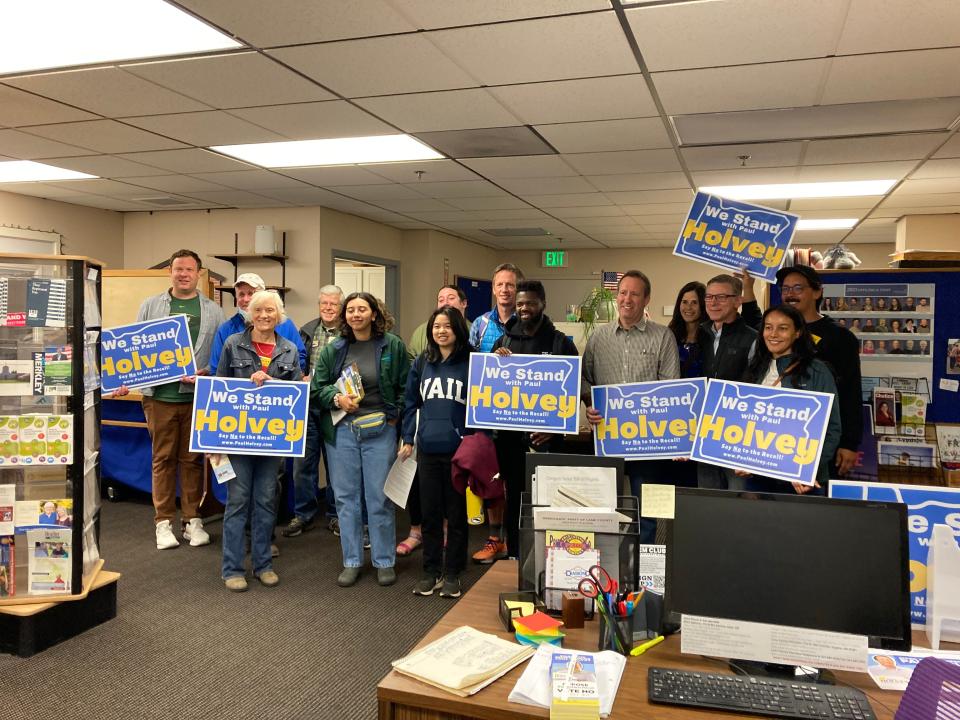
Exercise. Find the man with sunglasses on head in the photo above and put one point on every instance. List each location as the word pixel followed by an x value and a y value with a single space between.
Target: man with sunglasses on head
pixel 801 288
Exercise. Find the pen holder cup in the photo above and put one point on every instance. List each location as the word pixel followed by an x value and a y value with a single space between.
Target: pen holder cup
pixel 639 627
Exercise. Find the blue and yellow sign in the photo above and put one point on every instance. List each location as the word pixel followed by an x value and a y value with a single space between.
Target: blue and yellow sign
pixel 146 353
pixel 232 415
pixel 648 420
pixel 772 431
pixel 734 234
pixel 926 507
pixel 537 393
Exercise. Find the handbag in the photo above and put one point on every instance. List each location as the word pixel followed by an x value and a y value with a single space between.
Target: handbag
pixel 369 425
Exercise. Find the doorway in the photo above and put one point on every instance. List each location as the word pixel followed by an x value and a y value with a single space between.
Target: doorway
pixel 479 295
pixel 362 273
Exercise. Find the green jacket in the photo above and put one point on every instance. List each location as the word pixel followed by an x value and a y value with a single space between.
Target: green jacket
pixel 394 368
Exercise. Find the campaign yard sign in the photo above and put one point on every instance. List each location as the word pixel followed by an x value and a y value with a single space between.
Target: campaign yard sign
pixel 772 431
pixel 232 415
pixel 648 420
pixel 146 353
pixel 734 234
pixel 537 393
pixel 926 507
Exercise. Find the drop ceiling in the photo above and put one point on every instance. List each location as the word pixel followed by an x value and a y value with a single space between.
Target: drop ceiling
pixel 625 106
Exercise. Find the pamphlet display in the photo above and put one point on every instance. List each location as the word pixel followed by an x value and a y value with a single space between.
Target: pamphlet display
pixel 50 568
pixel 36 440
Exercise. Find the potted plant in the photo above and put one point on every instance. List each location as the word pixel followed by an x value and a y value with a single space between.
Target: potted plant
pixel 599 305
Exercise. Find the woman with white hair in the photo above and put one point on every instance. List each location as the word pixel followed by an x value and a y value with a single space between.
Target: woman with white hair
pixel 258 354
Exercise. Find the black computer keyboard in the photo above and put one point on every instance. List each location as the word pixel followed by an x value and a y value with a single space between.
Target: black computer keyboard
pixel 752 695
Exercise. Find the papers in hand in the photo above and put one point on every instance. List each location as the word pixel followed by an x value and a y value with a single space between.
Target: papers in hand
pixel 534 686
pixel 222 468
pixel 400 480
pixel 463 661
pixel 349 383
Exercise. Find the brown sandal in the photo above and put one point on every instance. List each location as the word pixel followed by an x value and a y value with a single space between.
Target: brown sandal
pixel 407 546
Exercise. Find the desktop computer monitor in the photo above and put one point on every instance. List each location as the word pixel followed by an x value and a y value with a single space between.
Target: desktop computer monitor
pixel 808 562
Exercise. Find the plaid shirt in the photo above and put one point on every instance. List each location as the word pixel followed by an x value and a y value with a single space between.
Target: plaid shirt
pixel 615 356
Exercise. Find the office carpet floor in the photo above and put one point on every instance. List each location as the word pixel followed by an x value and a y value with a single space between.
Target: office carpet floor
pixel 183 647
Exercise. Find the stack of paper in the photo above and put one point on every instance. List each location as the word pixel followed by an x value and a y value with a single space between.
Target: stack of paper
pixel 575 695
pixel 463 661
pixel 350 384
pixel 538 628
pixel 570 555
pixel 534 686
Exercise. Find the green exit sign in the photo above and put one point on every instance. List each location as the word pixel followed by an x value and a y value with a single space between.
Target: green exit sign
pixel 553 258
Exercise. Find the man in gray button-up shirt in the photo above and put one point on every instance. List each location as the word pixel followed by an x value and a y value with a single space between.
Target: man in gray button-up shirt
pixel 633 349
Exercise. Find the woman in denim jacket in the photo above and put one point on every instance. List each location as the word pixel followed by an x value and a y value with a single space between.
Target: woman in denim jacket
pixel 258 354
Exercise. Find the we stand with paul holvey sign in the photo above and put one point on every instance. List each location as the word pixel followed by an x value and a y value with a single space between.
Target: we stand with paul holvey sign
pixel 231 415
pixel 772 431
pixel 733 234
pixel 537 393
pixel 147 353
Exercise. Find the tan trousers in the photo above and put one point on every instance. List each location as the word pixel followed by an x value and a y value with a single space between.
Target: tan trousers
pixel 169 427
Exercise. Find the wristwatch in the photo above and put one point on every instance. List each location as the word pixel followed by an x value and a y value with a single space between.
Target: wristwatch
pixel 336 401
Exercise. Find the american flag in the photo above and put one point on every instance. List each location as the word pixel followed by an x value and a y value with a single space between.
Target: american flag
pixel 609 280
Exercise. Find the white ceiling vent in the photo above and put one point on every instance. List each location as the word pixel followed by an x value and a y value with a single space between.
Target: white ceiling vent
pixel 163 201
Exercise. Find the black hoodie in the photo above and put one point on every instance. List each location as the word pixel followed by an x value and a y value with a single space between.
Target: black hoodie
pixel 546 341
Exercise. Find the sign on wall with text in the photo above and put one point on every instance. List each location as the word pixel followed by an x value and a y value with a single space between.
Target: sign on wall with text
pixel 536 393
pixel 733 234
pixel 648 420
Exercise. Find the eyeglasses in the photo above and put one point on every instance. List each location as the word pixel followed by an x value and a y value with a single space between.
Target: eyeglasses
pixel 793 288
pixel 718 298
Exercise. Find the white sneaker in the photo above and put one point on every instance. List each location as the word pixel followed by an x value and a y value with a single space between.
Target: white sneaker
pixel 194 532
pixel 165 537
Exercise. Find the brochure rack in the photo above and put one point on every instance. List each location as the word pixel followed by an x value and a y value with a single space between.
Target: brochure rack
pixel 50 318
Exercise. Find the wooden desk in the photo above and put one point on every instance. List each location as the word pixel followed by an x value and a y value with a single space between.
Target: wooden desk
pixel 403 698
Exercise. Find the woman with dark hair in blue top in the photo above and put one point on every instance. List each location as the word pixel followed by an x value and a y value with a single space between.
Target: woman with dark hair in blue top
pixel 437 388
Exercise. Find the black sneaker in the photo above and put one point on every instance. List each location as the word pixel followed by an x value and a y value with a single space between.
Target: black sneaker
pixel 451 587
pixel 296 527
pixel 334 526
pixel 428 583
pixel 366 538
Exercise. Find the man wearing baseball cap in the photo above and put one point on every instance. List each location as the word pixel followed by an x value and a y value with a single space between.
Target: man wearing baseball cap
pixel 801 288
pixel 245 286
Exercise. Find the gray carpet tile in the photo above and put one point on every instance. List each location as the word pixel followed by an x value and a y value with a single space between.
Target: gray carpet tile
pixel 182 646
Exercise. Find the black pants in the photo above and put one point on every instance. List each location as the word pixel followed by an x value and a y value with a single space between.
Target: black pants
pixel 439 500
pixel 511 457
pixel 413 500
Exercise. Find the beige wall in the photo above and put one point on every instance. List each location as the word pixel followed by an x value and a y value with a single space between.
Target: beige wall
pixel 313 234
pixel 86 231
pixel 667 273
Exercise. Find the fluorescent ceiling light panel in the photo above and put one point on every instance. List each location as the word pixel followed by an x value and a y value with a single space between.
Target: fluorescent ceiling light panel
pixel 27 171
pixel 334 151
pixel 790 191
pixel 84 32
pixel 826 224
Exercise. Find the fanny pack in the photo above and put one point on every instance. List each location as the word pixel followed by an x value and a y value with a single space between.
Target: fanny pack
pixel 369 425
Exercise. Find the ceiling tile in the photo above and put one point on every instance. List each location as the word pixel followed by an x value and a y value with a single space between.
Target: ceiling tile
pixel 235 198
pixel 587 212
pixel 745 87
pixel 929 186
pixel 440 216
pixel 412 205
pixel 871 149
pixel 103 187
pixel 251 180
pixel 377 192
pixel 938 169
pixel 547 185
pixel 617 163
pixel 951 149
pixel 21 108
pixel 727 157
pixel 175 184
pixel 504 202
pixel 601 98
pixel 107 91
pixel 309 121
pixel 107 166
pixel 37 190
pixel 808 30
pixel 587 224
pixel 105 136
pixel 109 203
pixel 642 197
pixel 556 48
pixel 746 176
pixel 600 136
pixel 883 25
pixel 205 128
pixel 422 171
pixel 855 171
pixel 301 195
pixel 572 200
pixel 391 65
pixel 461 189
pixel 187 161
pixel 520 215
pixel 646 209
pixel 520 167
pixel 639 181
pixel 893 76
pixel 22 146
pixel 429 14
pixel 231 81
pixel 841 203
pixel 443 110
pixel 337 175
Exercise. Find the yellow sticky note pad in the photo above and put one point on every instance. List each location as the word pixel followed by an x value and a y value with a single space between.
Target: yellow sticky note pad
pixel 658 501
pixel 525 608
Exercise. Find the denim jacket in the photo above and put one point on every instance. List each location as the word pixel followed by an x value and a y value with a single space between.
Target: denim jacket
pixel 239 359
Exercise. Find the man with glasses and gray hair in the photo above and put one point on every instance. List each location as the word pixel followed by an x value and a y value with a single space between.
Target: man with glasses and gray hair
pixel 725 358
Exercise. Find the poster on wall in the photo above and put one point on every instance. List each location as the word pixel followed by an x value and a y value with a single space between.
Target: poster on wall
pixel 893 322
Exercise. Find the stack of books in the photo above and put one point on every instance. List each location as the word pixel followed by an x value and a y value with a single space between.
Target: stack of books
pixel 575 695
pixel 463 661
pixel 538 628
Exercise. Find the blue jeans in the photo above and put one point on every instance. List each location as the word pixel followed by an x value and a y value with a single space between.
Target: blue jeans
pixel 358 467
pixel 306 475
pixel 641 472
pixel 253 493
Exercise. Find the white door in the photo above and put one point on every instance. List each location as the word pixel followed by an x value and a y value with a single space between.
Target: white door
pixel 375 282
pixel 350 279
